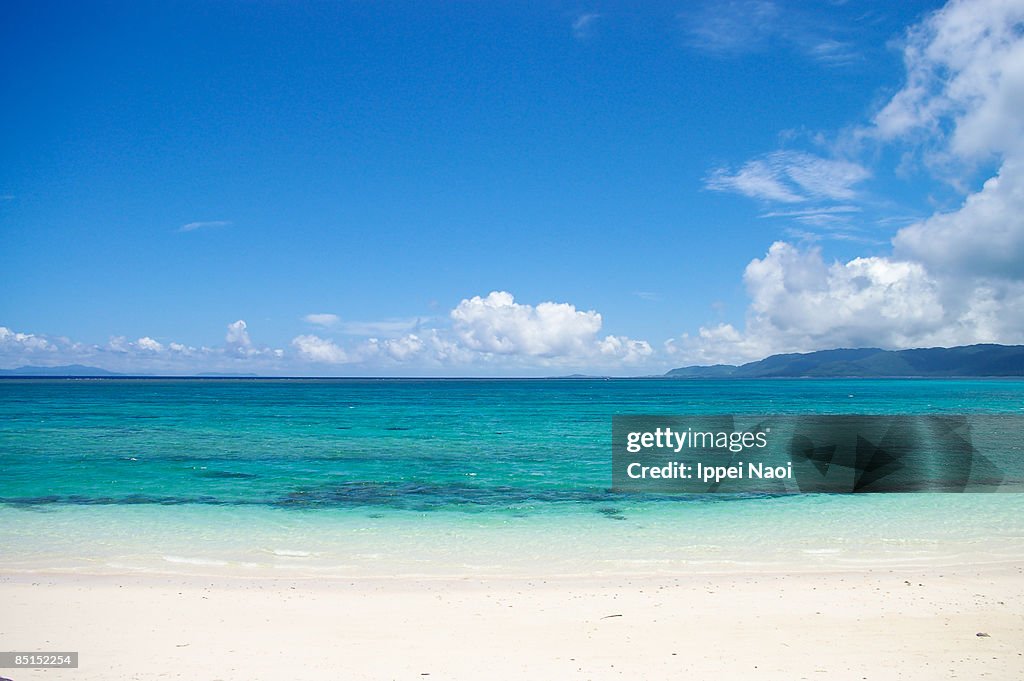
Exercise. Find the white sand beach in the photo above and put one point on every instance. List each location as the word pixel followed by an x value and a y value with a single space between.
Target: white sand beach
pixel 963 622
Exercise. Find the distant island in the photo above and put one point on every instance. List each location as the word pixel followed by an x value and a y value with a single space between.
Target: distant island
pixel 72 370
pixel 82 371
pixel 965 361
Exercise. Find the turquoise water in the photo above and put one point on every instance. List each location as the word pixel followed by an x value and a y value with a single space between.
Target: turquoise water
pixel 408 476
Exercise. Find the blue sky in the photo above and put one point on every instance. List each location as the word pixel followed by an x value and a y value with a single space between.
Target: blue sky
pixel 496 188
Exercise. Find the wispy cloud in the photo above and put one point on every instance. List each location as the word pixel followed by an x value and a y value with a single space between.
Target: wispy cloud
pixel 728 28
pixel 791 177
pixel 833 52
pixel 822 216
pixel 811 211
pixel 384 327
pixel 836 231
pixel 757 180
pixel 203 224
pixel 324 319
pixel 735 27
pixel 583 25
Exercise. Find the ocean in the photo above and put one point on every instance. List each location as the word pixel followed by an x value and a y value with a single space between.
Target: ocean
pixel 391 477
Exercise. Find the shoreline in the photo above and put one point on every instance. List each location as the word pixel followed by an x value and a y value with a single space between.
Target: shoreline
pixel 266 574
pixel 786 534
pixel 868 623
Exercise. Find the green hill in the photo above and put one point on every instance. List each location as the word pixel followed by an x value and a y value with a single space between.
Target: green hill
pixel 964 361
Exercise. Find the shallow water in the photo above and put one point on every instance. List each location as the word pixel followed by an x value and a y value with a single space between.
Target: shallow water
pixel 361 477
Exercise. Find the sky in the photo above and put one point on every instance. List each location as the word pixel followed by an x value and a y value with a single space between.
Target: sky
pixel 504 188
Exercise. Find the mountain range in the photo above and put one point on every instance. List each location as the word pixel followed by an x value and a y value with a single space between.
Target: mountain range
pixel 963 361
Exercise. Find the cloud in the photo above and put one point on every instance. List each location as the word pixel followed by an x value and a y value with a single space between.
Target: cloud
pixel 13 342
pixel 956 277
pixel 733 26
pixel 238 335
pixel 757 180
pixel 238 343
pixel 803 212
pixel 384 327
pixel 984 238
pixel 144 347
pixel 964 96
pixel 325 351
pixel 193 226
pixel 833 52
pixel 820 216
pixel 492 334
pixel 143 355
pixel 647 295
pixel 400 349
pixel 147 343
pixel 791 177
pixel 729 28
pixel 493 331
pixel 625 350
pixel 324 319
pixel 965 80
pixel 430 348
pixel 497 324
pixel 800 303
pixel 583 25
pixel 316 349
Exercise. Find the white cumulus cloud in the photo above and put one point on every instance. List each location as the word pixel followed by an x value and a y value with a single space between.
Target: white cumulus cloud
pixel 985 237
pixel 401 349
pixel 15 342
pixel 965 79
pixel 800 303
pixel 498 324
pixel 317 349
pixel 147 343
pixel 238 335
